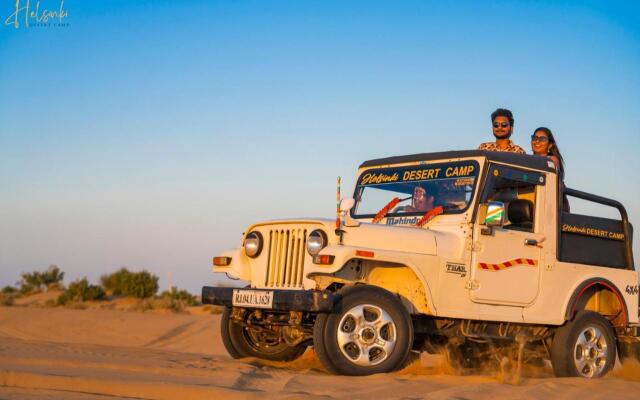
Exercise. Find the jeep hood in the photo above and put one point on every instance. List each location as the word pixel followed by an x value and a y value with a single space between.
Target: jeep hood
pixel 371 236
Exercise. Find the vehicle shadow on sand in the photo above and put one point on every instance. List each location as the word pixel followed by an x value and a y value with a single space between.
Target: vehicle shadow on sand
pixel 506 371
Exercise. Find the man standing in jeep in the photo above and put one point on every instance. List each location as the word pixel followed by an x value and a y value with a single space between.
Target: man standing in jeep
pixel 502 120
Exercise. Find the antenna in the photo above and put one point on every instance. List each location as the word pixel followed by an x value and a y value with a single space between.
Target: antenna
pixel 338 206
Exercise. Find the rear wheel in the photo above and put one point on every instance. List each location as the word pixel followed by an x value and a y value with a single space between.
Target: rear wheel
pixel 372 333
pixel 584 347
pixel 244 340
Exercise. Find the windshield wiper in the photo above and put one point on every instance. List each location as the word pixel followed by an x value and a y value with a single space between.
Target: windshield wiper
pixel 385 210
pixel 429 215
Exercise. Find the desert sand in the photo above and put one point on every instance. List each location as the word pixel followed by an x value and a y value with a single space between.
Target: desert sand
pixel 56 353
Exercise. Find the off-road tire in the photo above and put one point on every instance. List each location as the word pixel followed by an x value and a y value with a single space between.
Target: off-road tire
pixel 565 348
pixel 378 305
pixel 224 333
pixel 239 343
pixel 318 344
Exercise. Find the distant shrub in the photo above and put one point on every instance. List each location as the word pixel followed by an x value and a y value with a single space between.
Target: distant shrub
pixel 26 289
pixel 30 282
pixel 175 300
pixel 114 283
pixel 79 291
pixel 7 299
pixel 8 295
pixel 52 276
pixel 9 290
pixel 135 284
pixel 34 282
pixel 180 295
pixel 141 285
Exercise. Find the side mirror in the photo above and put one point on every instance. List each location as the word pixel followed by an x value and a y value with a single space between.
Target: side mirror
pixel 347 204
pixel 495 214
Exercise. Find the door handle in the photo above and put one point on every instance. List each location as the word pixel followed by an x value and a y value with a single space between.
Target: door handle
pixel 532 242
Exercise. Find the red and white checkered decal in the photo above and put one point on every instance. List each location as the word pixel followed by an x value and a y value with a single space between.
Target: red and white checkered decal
pixel 508 264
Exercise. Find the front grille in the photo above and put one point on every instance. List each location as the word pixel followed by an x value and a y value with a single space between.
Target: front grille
pixel 285 263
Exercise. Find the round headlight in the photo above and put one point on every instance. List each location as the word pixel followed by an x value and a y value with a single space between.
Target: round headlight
pixel 253 244
pixel 316 242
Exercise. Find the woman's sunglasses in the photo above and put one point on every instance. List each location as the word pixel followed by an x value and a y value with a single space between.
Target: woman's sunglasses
pixel 535 138
pixel 497 125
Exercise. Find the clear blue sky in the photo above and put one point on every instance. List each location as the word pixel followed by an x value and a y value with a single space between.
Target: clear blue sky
pixel 150 134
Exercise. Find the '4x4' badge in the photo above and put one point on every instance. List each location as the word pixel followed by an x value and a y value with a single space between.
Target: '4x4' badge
pixel 632 289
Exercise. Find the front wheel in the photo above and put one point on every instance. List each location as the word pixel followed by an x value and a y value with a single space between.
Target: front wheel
pixel 249 340
pixel 371 333
pixel 225 324
pixel 584 347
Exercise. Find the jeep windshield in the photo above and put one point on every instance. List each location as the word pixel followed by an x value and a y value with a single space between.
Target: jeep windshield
pixel 416 189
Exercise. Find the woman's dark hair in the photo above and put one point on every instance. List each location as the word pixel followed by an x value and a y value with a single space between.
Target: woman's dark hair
pixel 553 147
pixel 502 112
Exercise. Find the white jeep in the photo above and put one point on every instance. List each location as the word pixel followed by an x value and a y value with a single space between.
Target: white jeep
pixel 461 252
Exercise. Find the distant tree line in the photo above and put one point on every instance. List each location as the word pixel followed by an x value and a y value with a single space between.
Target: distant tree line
pixel 141 285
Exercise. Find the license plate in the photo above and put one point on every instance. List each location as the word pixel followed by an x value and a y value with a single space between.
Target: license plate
pixel 252 298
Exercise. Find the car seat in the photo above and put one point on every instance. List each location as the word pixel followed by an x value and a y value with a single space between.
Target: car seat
pixel 520 214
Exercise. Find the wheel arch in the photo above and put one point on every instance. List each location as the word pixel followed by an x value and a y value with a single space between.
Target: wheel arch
pixel 400 278
pixel 588 295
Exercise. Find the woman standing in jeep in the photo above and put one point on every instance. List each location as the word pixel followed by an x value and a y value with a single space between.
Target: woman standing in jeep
pixel 544 144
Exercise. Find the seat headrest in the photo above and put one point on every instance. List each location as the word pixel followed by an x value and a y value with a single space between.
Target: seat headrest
pixel 520 211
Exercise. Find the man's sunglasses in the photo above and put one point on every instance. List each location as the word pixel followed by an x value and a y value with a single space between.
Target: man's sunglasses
pixel 497 125
pixel 535 138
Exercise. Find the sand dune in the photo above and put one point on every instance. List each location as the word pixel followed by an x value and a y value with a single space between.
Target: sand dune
pixel 98 354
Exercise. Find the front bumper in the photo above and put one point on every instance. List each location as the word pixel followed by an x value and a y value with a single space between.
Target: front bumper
pixel 283 300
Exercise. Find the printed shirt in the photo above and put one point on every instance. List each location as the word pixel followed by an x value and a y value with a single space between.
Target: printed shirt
pixel 492 146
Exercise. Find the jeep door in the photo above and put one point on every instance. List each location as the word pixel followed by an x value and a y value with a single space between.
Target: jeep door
pixel 505 264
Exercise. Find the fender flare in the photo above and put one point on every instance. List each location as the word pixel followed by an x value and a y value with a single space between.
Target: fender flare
pixel 404 263
pixel 570 312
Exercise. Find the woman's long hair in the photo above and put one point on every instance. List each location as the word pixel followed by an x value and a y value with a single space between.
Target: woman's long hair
pixel 553 148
